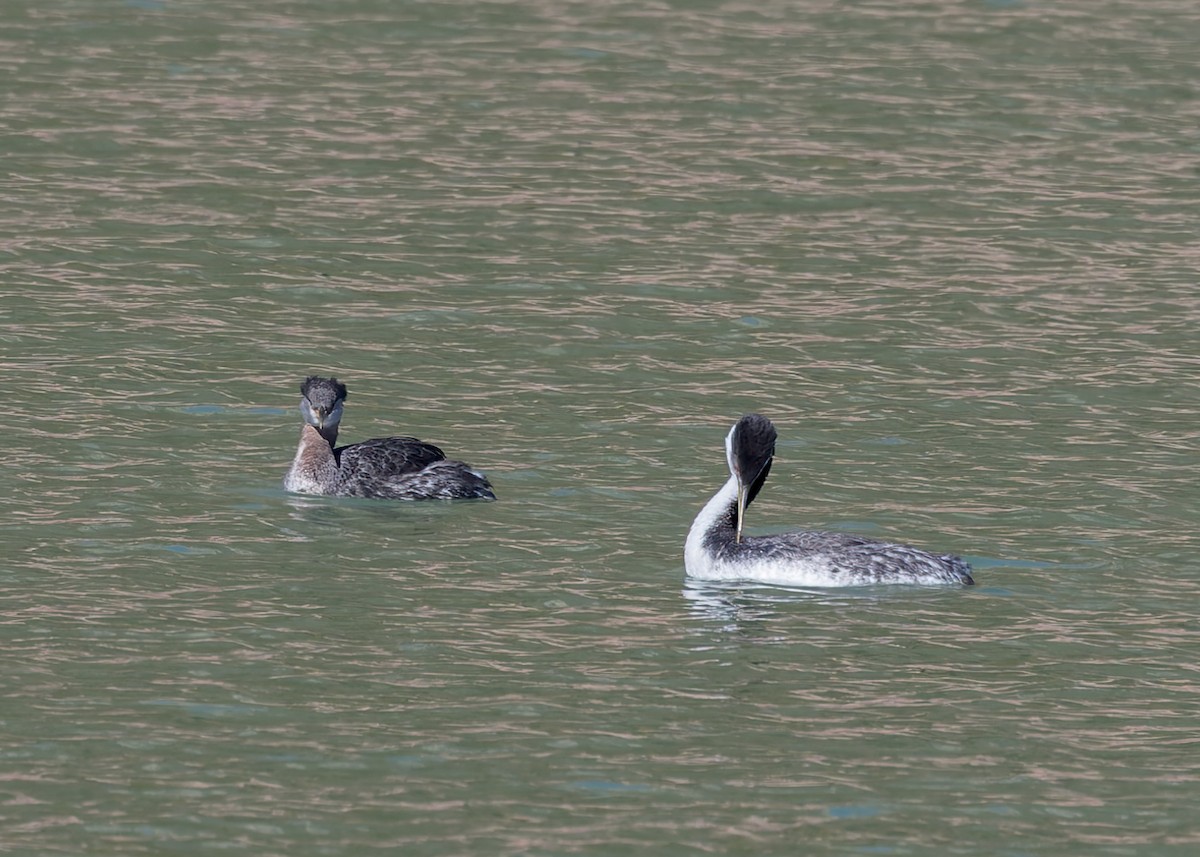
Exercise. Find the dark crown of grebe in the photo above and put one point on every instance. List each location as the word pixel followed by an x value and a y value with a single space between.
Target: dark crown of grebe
pixel 749 449
pixel 386 468
pixel 321 402
pixel 717 549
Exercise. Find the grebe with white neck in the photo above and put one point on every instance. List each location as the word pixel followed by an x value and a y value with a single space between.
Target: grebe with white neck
pixel 717 549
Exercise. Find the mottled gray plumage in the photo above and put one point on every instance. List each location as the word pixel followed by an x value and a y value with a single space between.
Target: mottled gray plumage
pixel 859 559
pixel 383 468
pixel 717 550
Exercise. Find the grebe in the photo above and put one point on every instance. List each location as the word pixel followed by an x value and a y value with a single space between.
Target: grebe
pixel 717 550
pixel 384 468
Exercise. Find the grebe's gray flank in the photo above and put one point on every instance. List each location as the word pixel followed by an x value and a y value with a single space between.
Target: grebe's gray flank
pixel 383 468
pixel 716 548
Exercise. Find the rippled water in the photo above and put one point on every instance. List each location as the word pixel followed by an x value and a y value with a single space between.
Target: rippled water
pixel 950 248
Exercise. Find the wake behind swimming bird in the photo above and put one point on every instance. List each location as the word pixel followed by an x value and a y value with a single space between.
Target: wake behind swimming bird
pixel 383 468
pixel 716 548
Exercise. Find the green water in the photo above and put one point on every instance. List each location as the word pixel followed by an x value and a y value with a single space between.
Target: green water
pixel 950 248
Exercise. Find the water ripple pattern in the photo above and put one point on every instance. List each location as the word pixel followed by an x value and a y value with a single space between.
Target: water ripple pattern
pixel 949 248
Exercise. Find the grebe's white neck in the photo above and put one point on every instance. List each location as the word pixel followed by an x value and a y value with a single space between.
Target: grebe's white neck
pixel 698 556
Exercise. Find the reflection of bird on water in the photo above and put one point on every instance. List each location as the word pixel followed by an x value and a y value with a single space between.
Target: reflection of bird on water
pixel 384 468
pixel 717 550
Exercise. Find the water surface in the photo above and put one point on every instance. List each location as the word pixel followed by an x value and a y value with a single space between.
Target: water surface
pixel 948 247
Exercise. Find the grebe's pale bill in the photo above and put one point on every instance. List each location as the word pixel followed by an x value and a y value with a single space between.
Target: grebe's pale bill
pixel 741 511
pixel 718 549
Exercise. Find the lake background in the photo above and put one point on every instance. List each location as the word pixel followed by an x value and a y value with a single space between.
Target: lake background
pixel 949 247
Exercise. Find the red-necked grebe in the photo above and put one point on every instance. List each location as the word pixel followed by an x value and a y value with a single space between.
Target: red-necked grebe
pixel 716 549
pixel 384 468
